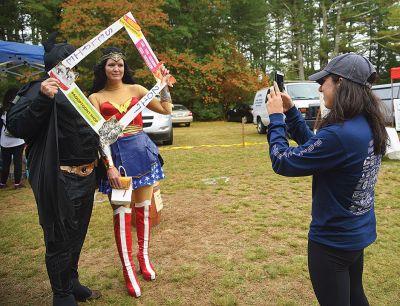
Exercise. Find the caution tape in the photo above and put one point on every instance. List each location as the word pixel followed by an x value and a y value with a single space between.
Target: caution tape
pixel 246 144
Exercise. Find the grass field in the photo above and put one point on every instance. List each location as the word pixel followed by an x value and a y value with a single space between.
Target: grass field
pixel 232 232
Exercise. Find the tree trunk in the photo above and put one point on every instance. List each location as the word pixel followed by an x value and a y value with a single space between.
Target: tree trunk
pixel 324 42
pixel 300 60
pixel 338 26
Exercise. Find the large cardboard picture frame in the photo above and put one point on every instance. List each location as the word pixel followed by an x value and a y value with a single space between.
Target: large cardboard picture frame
pixel 64 74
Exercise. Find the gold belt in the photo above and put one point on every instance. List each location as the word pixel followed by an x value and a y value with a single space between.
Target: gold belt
pixel 132 130
pixel 82 170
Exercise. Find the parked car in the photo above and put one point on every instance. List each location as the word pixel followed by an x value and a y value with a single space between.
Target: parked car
pixel 158 127
pixel 239 111
pixel 180 114
pixel 306 98
pixel 384 92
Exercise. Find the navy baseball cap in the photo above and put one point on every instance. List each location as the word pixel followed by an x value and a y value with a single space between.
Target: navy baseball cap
pixel 351 66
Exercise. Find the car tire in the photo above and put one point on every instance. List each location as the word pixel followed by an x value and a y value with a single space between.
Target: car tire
pixel 170 139
pixel 187 124
pixel 261 128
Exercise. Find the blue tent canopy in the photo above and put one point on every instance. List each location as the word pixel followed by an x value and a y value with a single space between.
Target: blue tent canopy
pixel 14 55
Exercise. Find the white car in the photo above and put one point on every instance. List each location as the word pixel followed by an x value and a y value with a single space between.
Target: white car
pixel 306 98
pixel 158 127
pixel 180 114
pixel 385 92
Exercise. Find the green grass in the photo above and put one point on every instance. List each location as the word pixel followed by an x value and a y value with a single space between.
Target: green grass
pixel 232 232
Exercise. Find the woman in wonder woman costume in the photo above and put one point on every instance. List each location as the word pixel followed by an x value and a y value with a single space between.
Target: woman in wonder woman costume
pixel 114 92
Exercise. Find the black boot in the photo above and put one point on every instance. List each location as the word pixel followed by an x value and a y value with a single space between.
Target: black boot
pixel 59 272
pixel 83 293
pixel 68 300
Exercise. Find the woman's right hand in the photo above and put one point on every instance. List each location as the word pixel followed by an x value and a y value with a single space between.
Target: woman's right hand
pixel 278 102
pixel 113 177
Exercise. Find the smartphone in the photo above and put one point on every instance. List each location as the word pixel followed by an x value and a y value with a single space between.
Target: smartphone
pixel 279 76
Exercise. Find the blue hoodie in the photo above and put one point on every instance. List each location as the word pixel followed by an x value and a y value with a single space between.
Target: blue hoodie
pixel 341 159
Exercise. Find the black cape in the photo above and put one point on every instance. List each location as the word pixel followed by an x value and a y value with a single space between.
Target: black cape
pixel 55 209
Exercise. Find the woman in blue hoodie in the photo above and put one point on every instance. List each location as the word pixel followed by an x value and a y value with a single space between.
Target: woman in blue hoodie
pixel 344 158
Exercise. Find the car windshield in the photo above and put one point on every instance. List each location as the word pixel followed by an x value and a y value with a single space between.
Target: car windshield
pixel 303 91
pixel 179 107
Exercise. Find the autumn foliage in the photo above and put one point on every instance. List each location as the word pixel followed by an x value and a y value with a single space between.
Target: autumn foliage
pixel 81 20
pixel 222 76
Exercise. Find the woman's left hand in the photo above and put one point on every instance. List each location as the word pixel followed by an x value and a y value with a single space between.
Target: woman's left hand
pixel 164 70
pixel 275 103
pixel 166 76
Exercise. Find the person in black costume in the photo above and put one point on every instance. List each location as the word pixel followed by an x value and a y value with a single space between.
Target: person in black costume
pixel 61 150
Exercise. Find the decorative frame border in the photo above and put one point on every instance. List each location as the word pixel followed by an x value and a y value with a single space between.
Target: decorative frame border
pixel 108 130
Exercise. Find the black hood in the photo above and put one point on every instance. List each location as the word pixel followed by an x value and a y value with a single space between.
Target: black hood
pixel 55 53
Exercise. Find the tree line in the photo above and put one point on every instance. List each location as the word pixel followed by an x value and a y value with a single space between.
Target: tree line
pixel 220 51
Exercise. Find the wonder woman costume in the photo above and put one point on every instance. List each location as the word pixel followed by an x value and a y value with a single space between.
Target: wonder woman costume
pixel 133 150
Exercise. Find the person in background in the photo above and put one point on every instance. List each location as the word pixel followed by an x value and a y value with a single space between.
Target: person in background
pixel 114 93
pixel 344 158
pixel 62 151
pixel 12 148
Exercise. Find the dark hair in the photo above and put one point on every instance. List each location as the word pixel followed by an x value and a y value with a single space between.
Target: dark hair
pixel 100 78
pixel 352 99
pixel 8 97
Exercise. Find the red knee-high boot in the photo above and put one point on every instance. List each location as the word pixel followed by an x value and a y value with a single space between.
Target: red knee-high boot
pixel 123 239
pixel 143 226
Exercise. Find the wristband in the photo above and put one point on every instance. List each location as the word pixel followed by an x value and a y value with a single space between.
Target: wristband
pixel 105 152
pixel 165 96
pixel 108 163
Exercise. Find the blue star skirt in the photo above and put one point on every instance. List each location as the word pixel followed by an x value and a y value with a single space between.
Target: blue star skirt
pixel 138 155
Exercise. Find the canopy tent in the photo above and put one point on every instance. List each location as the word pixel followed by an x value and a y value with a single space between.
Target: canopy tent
pixel 14 55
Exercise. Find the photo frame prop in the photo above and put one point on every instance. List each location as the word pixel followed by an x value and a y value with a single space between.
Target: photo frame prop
pixel 63 72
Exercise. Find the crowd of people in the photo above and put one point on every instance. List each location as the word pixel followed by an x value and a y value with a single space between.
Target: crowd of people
pixel 343 157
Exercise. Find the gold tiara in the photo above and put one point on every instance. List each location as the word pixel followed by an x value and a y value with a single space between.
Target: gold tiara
pixel 115 56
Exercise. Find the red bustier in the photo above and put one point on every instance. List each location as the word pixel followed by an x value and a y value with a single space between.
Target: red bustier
pixel 108 110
